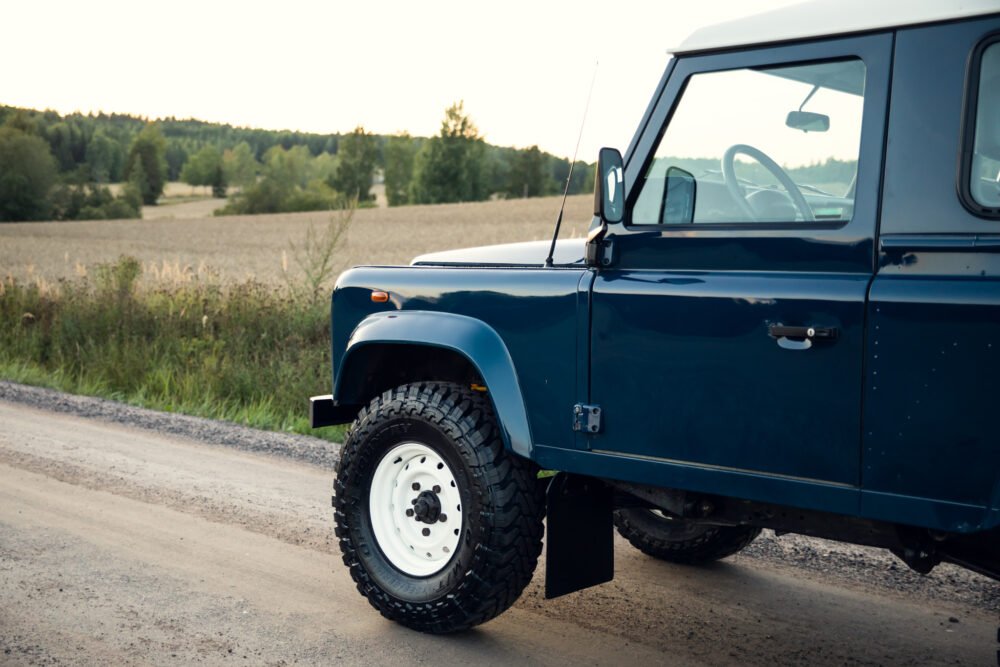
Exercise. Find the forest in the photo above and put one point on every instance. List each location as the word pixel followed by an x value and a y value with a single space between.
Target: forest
pixel 57 167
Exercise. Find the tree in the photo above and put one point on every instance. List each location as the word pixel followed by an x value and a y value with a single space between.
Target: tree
pixel 400 153
pixel 583 175
pixel 27 173
pixel 205 168
pixel 288 168
pixel 324 168
pixel 138 182
pixel 240 166
pixel 67 144
pixel 148 150
pixel 177 157
pixel 356 155
pixel 527 177
pixel 101 154
pixel 450 166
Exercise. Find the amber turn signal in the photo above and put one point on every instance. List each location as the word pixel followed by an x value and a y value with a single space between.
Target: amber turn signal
pixel 380 297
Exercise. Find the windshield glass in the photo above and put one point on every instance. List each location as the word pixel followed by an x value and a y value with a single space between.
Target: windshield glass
pixel 774 144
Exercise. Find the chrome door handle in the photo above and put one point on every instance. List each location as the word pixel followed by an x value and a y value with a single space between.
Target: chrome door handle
pixel 800 337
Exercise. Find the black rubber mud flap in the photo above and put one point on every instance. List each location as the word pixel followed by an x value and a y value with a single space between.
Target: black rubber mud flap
pixel 579 535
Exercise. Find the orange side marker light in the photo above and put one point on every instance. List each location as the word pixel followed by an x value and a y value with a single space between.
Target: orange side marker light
pixel 379 297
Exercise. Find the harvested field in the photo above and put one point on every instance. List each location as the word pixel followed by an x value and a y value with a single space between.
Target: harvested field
pixel 243 247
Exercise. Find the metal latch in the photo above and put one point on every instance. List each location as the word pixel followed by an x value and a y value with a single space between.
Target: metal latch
pixel 586 418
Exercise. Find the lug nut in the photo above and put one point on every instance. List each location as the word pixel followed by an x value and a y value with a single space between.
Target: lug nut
pixel 426 532
pixel 409 512
pixel 436 489
pixel 416 486
pixel 442 518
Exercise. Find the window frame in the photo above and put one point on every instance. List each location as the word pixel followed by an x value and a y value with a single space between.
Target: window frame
pixel 633 196
pixel 873 49
pixel 967 144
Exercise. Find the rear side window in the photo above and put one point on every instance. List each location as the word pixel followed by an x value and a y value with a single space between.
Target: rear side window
pixel 981 181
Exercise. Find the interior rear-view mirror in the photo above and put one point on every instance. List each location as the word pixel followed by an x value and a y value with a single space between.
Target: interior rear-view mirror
pixel 808 121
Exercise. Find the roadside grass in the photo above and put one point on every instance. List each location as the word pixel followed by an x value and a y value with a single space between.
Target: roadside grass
pixel 243 352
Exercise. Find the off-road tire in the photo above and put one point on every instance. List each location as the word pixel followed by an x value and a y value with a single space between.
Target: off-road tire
pixel 680 541
pixel 501 514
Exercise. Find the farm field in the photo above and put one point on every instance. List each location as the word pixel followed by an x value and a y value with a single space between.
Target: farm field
pixel 238 248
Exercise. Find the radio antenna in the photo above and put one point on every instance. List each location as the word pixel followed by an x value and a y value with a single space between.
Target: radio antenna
pixel 569 176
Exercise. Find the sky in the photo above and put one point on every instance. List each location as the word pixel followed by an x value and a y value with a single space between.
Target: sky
pixel 522 68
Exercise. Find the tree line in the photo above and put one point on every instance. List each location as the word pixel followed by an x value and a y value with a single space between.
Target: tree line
pixel 57 167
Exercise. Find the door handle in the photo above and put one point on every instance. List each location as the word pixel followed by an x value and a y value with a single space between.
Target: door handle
pixel 800 338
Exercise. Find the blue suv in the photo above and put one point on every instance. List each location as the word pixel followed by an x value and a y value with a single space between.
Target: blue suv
pixel 786 315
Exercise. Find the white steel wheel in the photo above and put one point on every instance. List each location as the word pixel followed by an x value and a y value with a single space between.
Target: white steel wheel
pixel 428 456
pixel 415 509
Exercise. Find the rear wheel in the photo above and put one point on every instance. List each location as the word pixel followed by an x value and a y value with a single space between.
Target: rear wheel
pixel 678 541
pixel 440 526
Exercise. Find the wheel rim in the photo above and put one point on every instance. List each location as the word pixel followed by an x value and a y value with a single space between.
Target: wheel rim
pixel 415 509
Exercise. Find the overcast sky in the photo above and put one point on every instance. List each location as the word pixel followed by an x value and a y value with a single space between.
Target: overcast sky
pixel 523 68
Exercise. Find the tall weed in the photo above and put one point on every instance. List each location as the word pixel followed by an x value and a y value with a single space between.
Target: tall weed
pixel 243 352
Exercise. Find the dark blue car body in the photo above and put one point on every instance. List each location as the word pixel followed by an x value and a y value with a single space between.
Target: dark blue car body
pixel 890 426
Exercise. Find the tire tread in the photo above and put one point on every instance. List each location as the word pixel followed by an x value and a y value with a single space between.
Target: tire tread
pixel 714 544
pixel 511 528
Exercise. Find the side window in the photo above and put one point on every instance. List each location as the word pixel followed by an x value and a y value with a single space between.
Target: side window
pixel 762 145
pixel 984 176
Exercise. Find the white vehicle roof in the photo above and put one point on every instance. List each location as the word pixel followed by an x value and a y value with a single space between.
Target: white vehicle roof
pixel 820 18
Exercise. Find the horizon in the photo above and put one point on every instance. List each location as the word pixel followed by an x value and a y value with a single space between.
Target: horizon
pixel 523 73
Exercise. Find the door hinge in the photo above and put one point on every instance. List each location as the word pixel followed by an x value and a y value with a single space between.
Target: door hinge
pixel 600 252
pixel 587 418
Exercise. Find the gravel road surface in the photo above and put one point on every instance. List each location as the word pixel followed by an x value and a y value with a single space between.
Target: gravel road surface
pixel 129 536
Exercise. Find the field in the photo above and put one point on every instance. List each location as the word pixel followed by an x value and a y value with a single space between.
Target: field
pixel 238 248
pixel 213 316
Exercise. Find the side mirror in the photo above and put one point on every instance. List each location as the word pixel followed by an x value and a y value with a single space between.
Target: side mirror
pixel 807 121
pixel 679 197
pixel 609 191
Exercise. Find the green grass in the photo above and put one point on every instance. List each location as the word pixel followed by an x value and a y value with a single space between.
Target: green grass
pixel 245 353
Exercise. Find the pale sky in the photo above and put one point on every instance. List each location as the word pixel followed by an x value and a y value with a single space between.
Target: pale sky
pixel 522 68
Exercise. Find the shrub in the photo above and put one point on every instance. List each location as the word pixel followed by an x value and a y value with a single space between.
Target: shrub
pixel 244 352
pixel 94 202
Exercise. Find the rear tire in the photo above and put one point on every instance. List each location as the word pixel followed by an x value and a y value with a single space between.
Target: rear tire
pixel 440 526
pixel 679 541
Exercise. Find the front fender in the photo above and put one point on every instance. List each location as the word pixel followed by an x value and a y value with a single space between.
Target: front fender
pixel 473 339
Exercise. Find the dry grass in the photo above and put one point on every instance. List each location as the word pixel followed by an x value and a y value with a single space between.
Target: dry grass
pixel 237 248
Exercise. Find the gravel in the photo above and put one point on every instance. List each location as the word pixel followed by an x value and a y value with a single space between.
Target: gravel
pixel 856 566
pixel 301 448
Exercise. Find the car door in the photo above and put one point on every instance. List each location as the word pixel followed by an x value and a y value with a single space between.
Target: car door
pixel 931 446
pixel 727 331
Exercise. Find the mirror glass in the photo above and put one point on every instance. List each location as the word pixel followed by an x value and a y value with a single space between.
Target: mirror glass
pixel 611 183
pixel 679 196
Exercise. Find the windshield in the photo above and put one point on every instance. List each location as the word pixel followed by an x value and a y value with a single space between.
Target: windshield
pixel 775 144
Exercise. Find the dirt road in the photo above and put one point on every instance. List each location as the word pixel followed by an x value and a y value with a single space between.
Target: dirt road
pixel 123 545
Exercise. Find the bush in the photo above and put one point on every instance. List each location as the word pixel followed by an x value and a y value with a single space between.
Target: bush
pixel 94 202
pixel 27 173
pixel 270 195
pixel 246 352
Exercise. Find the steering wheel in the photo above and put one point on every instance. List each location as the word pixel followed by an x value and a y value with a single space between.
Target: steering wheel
pixel 729 176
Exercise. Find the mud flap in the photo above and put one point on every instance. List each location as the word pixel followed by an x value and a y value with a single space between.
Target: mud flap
pixel 579 535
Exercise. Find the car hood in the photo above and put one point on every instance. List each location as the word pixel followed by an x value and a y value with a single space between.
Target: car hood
pixel 532 253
